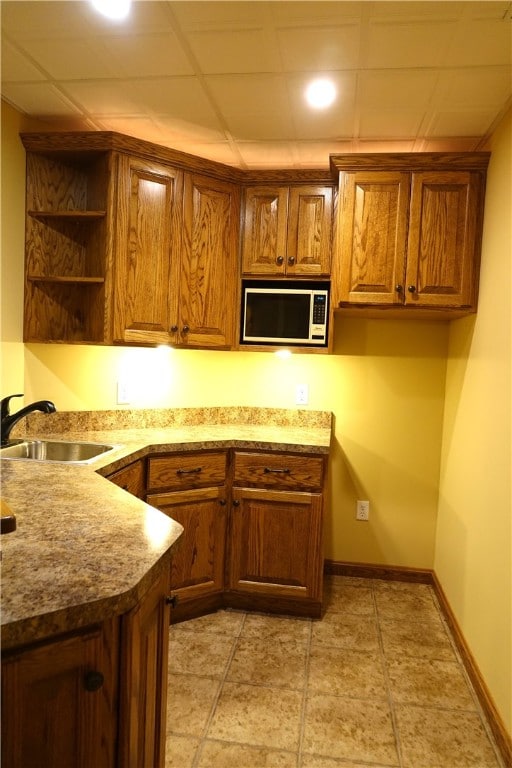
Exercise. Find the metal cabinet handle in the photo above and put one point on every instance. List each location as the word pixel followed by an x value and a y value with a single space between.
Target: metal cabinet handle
pixel 222 502
pixel 277 471
pixel 194 471
pixel 172 600
pixel 279 260
pixel 93 680
pixel 411 288
pixel 185 329
pixel 291 260
pixel 399 288
pixel 236 503
pixel 174 328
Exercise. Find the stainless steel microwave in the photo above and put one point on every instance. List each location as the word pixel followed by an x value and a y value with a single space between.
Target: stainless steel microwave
pixel 285 313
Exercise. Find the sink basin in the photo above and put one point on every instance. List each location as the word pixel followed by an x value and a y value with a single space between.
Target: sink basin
pixel 71 452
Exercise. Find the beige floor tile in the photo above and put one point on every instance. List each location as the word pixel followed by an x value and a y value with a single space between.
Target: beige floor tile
pixel 348 581
pixel 346 672
pixel 276 627
pixel 428 682
pixel 277 663
pixel 189 703
pixel 216 754
pixel 317 761
pixel 199 653
pixel 345 631
pixel 349 728
pixel 412 603
pixel 267 717
pixel 432 738
pixel 221 622
pixel 180 751
pixel 345 598
pixel 418 639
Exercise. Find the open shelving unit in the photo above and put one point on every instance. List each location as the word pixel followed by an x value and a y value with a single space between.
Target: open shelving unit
pixel 68 249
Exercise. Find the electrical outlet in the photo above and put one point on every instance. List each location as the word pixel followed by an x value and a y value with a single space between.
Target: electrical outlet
pixel 301 394
pixel 123 392
pixel 362 510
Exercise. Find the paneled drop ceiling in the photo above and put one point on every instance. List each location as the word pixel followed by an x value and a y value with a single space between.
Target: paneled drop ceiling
pixel 225 80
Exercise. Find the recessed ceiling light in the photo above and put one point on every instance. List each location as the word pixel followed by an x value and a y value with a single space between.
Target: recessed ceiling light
pixel 320 93
pixel 113 9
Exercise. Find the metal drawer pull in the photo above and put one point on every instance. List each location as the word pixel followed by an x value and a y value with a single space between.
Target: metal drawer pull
pixel 194 471
pixel 277 471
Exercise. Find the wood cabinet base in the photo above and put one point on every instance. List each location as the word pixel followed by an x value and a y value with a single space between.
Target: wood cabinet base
pixel 311 609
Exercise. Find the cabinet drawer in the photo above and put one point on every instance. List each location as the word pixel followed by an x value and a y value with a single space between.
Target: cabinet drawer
pixel 187 470
pixel 279 470
pixel 131 478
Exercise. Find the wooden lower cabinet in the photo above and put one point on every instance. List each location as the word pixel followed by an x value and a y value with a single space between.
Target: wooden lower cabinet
pixel 52 712
pixel 95 697
pixel 275 536
pixel 276 560
pixel 143 672
pixel 131 478
pixel 197 568
pixel 191 488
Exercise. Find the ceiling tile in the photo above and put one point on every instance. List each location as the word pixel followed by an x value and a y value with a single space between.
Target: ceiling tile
pixel 256 93
pixel 193 15
pixel 183 130
pixel 418 44
pixel 267 154
pixel 16 67
pixel 396 88
pixel 72 59
pixel 485 86
pixel 308 49
pixel 234 51
pixel 105 97
pixel 459 123
pixel 389 123
pixel 178 97
pixel 129 55
pixel 481 42
pixel 26 20
pixel 38 99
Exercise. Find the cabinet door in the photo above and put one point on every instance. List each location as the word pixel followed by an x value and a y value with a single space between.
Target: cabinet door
pixel 209 286
pixel 265 231
pixel 197 567
pixel 144 661
pixel 55 712
pixel 147 243
pixel 372 232
pixel 309 231
pixel 131 479
pixel 276 544
pixel 441 262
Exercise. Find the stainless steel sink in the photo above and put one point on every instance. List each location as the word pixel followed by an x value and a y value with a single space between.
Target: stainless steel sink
pixel 71 452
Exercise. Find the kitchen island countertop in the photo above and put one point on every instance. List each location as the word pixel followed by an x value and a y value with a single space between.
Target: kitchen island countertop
pixel 84 549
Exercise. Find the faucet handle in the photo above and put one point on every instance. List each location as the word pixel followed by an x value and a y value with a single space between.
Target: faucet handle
pixel 4 405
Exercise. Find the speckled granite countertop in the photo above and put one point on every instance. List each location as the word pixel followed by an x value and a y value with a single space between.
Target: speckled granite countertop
pixel 84 549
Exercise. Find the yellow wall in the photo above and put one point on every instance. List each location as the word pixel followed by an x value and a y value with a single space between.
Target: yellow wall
pixel 473 549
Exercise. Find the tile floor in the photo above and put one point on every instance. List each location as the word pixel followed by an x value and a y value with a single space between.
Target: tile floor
pixel 377 682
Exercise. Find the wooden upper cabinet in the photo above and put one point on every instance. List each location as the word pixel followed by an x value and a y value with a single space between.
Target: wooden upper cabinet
pixel 409 236
pixel 370 261
pixel 442 258
pixel 287 230
pixel 208 272
pixel 148 227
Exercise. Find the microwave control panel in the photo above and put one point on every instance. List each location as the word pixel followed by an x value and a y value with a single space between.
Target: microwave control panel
pixel 318 327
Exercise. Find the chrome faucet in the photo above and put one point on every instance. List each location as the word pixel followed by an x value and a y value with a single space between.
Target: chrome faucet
pixel 8 420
